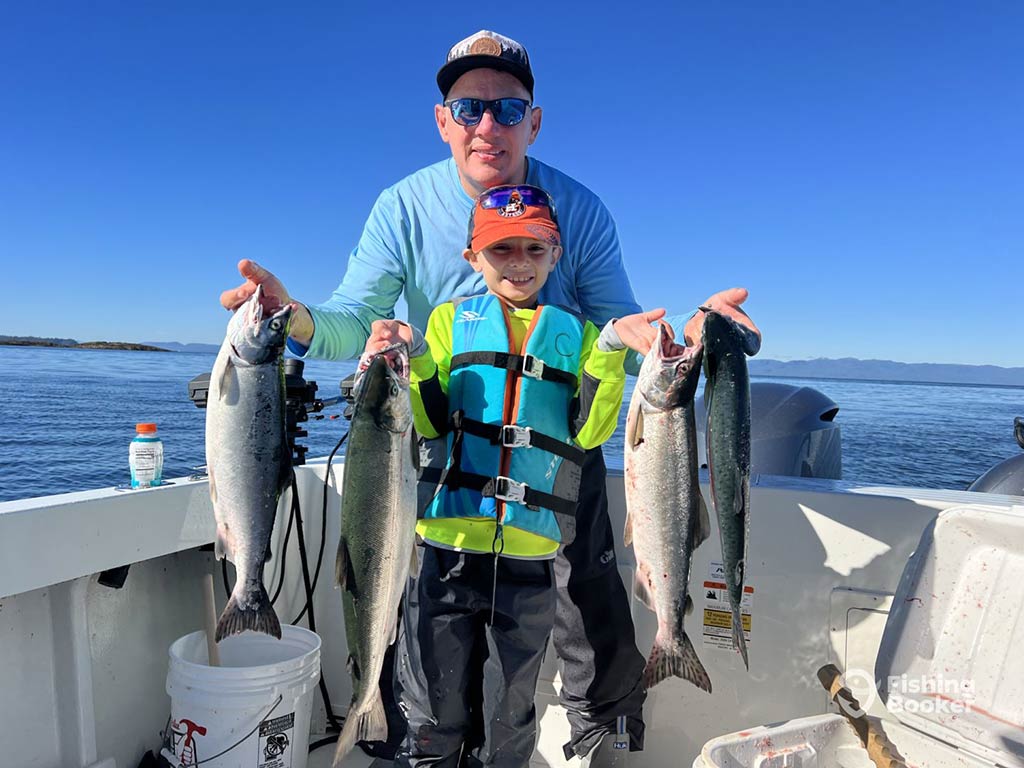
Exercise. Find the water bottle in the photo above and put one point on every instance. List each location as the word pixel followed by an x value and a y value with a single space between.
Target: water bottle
pixel 146 457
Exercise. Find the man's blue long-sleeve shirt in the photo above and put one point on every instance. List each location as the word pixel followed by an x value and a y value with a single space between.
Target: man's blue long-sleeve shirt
pixel 413 242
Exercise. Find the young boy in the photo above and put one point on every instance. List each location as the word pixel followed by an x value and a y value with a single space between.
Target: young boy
pixel 521 391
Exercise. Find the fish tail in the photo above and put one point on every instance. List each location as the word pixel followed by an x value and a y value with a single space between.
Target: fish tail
pixel 253 611
pixel 371 725
pixel 675 660
pixel 739 642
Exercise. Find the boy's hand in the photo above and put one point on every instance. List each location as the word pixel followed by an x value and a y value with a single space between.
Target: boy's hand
pixel 383 333
pixel 636 331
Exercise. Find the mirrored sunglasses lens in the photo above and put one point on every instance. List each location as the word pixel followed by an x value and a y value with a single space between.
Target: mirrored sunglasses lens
pixel 499 198
pixel 509 111
pixel 467 111
pixel 496 199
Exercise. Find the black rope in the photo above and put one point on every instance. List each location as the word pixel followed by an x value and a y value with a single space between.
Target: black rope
pixel 332 719
pixel 284 549
pixel 323 524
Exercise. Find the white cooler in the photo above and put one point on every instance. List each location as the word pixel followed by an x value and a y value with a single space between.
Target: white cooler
pixel 950 667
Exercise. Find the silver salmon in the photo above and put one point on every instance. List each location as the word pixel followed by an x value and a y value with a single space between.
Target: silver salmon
pixel 247 456
pixel 666 518
pixel 378 532
pixel 727 399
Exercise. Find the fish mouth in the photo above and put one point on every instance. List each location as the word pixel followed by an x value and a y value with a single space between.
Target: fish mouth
pixel 395 355
pixel 670 381
pixel 670 353
pixel 668 350
pixel 254 307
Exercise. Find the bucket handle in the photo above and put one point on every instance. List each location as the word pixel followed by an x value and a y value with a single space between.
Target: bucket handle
pixel 170 746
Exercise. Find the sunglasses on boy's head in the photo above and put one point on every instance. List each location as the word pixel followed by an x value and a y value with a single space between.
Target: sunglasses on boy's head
pixel 469 112
pixel 500 197
pixel 512 196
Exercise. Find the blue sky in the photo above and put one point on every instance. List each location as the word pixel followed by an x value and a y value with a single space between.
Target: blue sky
pixel 859 166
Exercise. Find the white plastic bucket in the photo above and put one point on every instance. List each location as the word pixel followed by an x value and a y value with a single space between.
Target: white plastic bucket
pixel 252 711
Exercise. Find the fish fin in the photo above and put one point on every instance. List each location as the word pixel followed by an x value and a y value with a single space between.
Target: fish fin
pixel 414 563
pixel 702 526
pixel 341 565
pixel 259 618
pixel 415 447
pixel 688 606
pixel 642 590
pixel 627 531
pixel 213 485
pixel 635 426
pixel 739 503
pixel 366 726
pixel 739 642
pixel 222 545
pixel 227 376
pixel 678 661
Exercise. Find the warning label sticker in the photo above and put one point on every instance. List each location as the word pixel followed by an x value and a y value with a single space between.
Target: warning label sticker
pixel 717 629
pixel 275 745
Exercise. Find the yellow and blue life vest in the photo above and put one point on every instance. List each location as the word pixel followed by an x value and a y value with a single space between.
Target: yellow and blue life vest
pixel 511 454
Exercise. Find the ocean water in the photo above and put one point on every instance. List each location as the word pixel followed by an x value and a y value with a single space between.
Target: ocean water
pixel 67 416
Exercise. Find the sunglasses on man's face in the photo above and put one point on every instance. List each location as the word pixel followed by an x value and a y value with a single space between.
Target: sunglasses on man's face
pixel 469 112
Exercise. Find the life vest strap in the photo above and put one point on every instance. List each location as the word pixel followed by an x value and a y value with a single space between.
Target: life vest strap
pixel 504 488
pixel 524 365
pixel 514 436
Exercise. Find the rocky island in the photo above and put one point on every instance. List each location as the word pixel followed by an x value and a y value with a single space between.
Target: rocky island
pixel 34 341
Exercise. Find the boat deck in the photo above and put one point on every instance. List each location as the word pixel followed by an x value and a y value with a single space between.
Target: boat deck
pixel 84 665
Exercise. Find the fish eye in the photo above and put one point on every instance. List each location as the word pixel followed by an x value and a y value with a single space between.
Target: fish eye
pixel 275 325
pixel 394 389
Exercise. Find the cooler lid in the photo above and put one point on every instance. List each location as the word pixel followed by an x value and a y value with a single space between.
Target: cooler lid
pixel 951 661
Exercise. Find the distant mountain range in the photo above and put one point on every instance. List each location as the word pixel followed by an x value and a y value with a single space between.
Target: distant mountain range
pixel 818 368
pixel 888 370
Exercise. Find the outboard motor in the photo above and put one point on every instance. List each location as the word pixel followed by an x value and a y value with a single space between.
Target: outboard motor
pixel 1007 476
pixel 792 432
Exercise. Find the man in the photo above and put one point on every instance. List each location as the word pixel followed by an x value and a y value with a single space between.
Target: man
pixel 412 243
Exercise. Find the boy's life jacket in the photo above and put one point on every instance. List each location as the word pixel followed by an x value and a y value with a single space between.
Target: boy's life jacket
pixel 511 455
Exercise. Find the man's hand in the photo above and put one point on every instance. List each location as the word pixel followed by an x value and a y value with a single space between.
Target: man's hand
pixel 725 303
pixel 384 333
pixel 275 296
pixel 636 331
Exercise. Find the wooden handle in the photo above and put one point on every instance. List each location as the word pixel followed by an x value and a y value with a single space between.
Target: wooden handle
pixel 210 621
pixel 881 751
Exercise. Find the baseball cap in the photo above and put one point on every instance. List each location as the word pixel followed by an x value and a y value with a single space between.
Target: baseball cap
pixel 485 50
pixel 513 211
